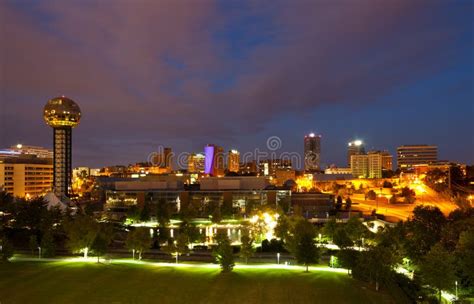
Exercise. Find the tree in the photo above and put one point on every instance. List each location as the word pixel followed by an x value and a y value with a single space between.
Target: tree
pixel 330 228
pixel 408 195
pixel 33 244
pixel 371 195
pixel 437 269
pixel 347 259
pixel 348 203
pixel 355 229
pixel 99 246
pixel 342 239
pixel 145 213
pixel 387 184
pixel 81 232
pixel 6 250
pixel 216 215
pixel 48 247
pixel 133 214
pixel 246 249
pixel 102 240
pixel 162 213
pixel 338 203
pixel 423 231
pixel 304 247
pixel 138 240
pixel 374 265
pixel 180 246
pixel 223 252
pixel 283 227
pixel 465 256
pixel 462 202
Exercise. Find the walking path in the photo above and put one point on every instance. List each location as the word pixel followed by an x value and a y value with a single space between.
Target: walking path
pixel 184 265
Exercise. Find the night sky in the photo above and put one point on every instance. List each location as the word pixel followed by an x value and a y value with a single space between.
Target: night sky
pixel 234 73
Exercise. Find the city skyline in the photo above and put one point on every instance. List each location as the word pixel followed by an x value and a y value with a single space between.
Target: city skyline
pixel 236 74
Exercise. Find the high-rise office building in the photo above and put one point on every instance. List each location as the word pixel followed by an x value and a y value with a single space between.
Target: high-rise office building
pixel 360 165
pixel 268 167
pixel 375 159
pixel 26 176
pixel 249 168
pixel 370 165
pixel 411 155
pixel 355 147
pixel 312 152
pixel 233 161
pixel 62 114
pixel 387 161
pixel 163 159
pixel 196 163
pixel 214 160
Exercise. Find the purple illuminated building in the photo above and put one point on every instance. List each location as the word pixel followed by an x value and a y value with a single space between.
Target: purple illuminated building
pixel 209 159
pixel 214 160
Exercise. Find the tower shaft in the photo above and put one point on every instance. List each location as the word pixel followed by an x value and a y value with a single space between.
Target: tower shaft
pixel 62 161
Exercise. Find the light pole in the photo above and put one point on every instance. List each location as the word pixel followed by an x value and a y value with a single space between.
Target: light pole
pixel 456 282
pixel 133 254
pixel 278 258
pixel 39 252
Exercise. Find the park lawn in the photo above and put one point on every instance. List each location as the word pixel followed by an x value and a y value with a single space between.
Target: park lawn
pixel 78 282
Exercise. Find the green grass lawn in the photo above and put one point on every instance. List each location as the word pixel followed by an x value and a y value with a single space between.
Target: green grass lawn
pixel 73 282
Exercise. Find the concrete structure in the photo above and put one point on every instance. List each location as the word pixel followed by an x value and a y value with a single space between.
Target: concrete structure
pixel 234 183
pixel 233 161
pixel 355 147
pixel 411 155
pixel 39 152
pixel 331 177
pixel 312 152
pixel 27 176
pixel 312 204
pixel 140 185
pixel 62 114
pixel 335 170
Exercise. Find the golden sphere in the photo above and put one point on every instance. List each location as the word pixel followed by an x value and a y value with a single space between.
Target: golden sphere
pixel 62 112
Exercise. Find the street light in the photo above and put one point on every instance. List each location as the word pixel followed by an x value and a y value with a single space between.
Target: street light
pixel 456 290
pixel 278 258
pixel 39 252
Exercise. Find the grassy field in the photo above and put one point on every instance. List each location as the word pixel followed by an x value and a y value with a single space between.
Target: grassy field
pixel 73 282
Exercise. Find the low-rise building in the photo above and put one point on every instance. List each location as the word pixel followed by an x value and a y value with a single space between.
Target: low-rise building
pixel 27 176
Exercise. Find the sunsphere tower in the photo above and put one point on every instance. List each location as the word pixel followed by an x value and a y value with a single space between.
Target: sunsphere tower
pixel 62 114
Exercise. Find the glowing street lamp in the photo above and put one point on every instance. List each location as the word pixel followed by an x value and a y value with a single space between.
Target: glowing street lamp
pixel 278 259
pixel 456 282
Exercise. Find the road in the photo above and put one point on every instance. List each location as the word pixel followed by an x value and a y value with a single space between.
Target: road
pixel 397 212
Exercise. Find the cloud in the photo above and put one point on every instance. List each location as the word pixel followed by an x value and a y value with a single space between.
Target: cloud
pixel 201 70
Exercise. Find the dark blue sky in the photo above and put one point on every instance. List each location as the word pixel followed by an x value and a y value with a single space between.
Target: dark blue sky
pixel 187 73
